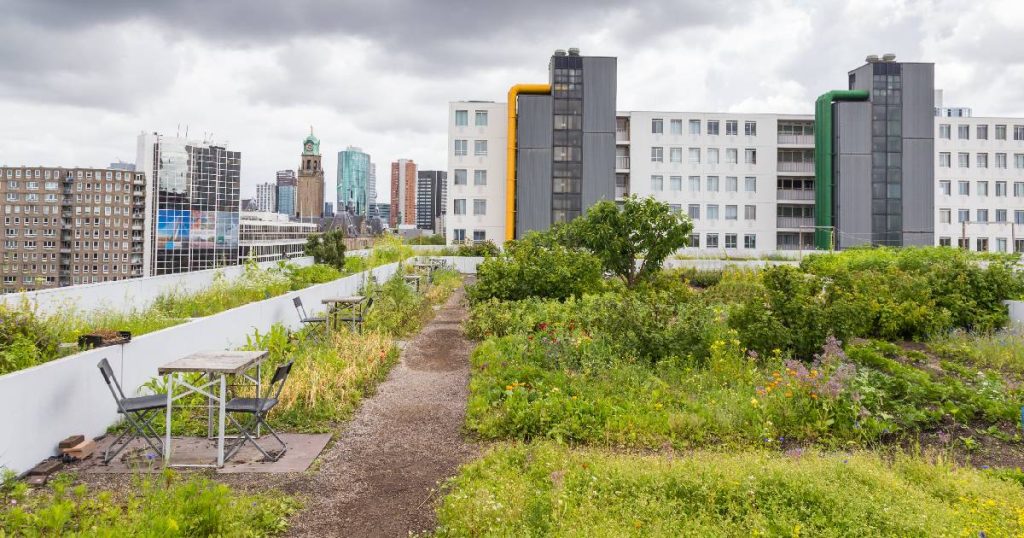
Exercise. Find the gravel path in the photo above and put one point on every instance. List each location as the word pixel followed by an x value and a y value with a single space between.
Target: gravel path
pixel 379 477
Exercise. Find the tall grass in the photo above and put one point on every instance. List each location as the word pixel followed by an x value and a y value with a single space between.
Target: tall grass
pixel 1003 350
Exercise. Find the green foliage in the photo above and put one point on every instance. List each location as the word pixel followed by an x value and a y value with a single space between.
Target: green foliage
pixel 165 505
pixel 327 248
pixel 543 489
pixel 1003 350
pixel 642 229
pixel 303 277
pixel 426 240
pixel 484 248
pixel 536 266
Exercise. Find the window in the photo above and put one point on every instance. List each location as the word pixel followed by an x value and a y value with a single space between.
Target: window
pixel 461 147
pixel 712 155
pixel 657 126
pixel 731 155
pixel 731 184
pixel 945 131
pixel 694 241
pixel 1018 189
pixel 1000 160
pixel 694 155
pixel 750 241
pixel 461 118
pixel 963 188
pixel 460 206
pixel 963 215
pixel 676 126
pixel 944 160
pixel 963 132
pixel 657 183
pixel 945 242
pixel 750 212
pixel 750 184
pixel 1000 188
pixel 981 160
pixel 1018 160
pixel 982 244
pixel 945 187
pixel 750 128
pixel 675 183
pixel 657 154
pixel 567 153
pixel 945 215
pixel 712 211
pixel 730 240
pixel 1018 132
pixel 982 215
pixel 750 156
pixel 731 212
pixel 713 127
pixel 983 188
pixel 480 147
pixel 1018 216
pixel 479 206
pixel 479 177
pixel 731 127
pixel 481 120
pixel 693 211
pixel 675 208
pixel 460 177
pixel 712 183
pixel 982 132
pixel 1001 244
pixel 695 127
pixel 675 155
pixel 1000 132
pixel 694 183
pixel 459 233
pixel 712 241
pixel 1000 215
pixel 568 122
pixel 963 159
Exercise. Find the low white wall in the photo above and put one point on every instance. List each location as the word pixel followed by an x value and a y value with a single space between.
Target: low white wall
pixel 41 405
pixel 125 295
pixel 722 264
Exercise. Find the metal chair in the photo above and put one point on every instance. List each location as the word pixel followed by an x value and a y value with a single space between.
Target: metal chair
pixel 137 413
pixel 259 408
pixel 306 319
pixel 356 317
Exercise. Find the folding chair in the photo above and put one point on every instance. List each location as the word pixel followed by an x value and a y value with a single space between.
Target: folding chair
pixel 306 319
pixel 357 317
pixel 258 407
pixel 136 411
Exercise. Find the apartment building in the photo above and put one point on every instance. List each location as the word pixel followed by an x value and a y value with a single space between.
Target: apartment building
pixel 266 197
pixel 979 173
pixel 70 226
pixel 431 199
pixel 477 135
pixel 268 236
pixel 403 193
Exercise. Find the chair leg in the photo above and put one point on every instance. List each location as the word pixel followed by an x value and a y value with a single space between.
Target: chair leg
pixel 139 425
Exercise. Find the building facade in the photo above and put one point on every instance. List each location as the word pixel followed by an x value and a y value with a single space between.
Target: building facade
pixel 431 199
pixel 353 181
pixel 371 185
pixel 192 204
pixel 403 193
pixel 266 197
pixel 286 187
pixel 382 211
pixel 265 237
pixel 477 135
pixel 309 193
pixel 70 226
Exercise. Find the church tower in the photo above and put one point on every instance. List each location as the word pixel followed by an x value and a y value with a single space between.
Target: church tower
pixel 309 202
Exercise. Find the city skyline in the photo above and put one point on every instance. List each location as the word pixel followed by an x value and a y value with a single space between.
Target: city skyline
pixel 84 110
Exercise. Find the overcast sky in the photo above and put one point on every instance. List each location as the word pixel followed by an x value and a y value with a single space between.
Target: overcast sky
pixel 80 79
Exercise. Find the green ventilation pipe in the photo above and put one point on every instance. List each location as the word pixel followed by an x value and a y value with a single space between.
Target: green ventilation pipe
pixel 823 151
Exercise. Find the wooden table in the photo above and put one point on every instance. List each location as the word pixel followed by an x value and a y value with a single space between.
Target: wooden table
pixel 353 303
pixel 217 365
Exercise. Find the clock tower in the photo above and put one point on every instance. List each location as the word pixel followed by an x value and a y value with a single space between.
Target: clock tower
pixel 309 200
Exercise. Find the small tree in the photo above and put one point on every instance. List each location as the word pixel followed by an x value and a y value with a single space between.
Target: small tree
pixel 643 230
pixel 327 248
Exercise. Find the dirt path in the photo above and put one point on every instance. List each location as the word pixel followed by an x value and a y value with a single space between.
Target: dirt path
pixel 379 477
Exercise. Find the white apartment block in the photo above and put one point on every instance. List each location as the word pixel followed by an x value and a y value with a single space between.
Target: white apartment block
pixel 266 197
pixel 476 171
pixel 746 180
pixel 979 195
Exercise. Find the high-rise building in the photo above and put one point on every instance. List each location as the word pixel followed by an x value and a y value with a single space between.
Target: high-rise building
pixel 371 185
pixel 266 197
pixel 123 166
pixel 66 226
pixel 286 187
pixel 431 199
pixel 382 211
pixel 309 202
pixel 559 158
pixel 403 193
pixel 353 181
pixel 192 204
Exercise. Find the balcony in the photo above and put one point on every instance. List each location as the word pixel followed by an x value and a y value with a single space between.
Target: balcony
pixel 622 162
pixel 794 194
pixel 621 192
pixel 621 136
pixel 800 139
pixel 796 166
pixel 794 222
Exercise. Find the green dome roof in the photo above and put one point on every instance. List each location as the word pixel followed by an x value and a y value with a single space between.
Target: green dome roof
pixel 311 139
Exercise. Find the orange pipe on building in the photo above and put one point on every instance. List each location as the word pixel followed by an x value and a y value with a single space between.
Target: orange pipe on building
pixel 510 164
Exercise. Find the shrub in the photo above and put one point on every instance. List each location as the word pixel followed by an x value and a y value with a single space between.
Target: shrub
pixel 536 266
pixel 426 240
pixel 397 311
pixel 484 249
pixel 327 248
pixel 303 277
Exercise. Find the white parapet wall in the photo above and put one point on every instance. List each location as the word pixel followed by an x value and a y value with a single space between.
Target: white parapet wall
pixel 41 405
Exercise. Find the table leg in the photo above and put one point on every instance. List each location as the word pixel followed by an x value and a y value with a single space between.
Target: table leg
pixel 259 392
pixel 220 431
pixel 167 434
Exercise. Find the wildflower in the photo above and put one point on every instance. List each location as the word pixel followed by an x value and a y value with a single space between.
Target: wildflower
pixel 753 402
pixel 789 394
pixel 150 456
pixel 555 389
pixel 814 396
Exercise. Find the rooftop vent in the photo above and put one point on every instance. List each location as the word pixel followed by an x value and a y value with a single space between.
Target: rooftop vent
pixel 888 57
pixel 559 52
pixel 573 51
pixel 871 59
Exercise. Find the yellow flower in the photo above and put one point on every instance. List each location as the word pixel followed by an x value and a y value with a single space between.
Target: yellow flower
pixel 789 394
pixel 753 402
pixel 814 396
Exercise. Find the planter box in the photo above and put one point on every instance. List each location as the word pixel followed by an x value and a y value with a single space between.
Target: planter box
pixel 92 341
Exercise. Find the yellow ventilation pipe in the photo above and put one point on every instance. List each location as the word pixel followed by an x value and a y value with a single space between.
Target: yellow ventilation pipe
pixel 510 163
